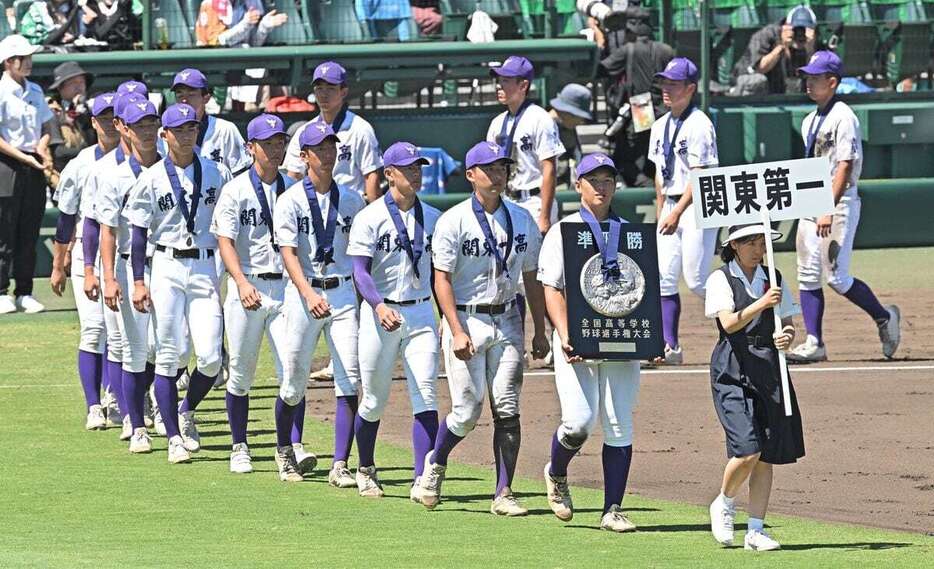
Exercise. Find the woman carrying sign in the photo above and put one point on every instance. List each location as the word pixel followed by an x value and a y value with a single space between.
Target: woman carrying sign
pixel 589 390
pixel 746 383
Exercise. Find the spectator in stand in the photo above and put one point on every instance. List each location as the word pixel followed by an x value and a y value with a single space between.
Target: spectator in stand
pixel 56 22
pixel 117 22
pixel 427 16
pixel 570 109
pixel 386 19
pixel 71 130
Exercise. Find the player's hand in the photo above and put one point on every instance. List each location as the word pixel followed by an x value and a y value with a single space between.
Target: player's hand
pixel 112 294
pixel 810 38
pixel 92 286
pixel 141 299
pixel 253 16
pixel 66 262
pixel 772 297
pixel 788 36
pixel 275 19
pixel 669 225
pixel 58 280
pixel 249 296
pixel 389 319
pixel 540 346
pixel 784 338
pixel 824 223
pixel 31 161
pixel 318 307
pixel 463 346
pixel 88 15
pixel 544 224
pixel 569 355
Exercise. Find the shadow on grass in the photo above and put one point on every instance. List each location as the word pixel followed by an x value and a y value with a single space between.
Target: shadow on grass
pixel 861 546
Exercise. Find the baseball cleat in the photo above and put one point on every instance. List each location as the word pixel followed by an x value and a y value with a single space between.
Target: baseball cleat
pixel 890 333
pixel 186 424
pixel 177 451
pixel 28 304
pixel 127 431
pixel 95 420
pixel 674 356
pixel 324 374
pixel 559 495
pixel 340 476
pixel 368 483
pixel 430 482
pixel 157 423
pixel 288 468
pixel 415 492
pixel 111 411
pixel 7 305
pixel 183 380
pixel 758 540
pixel 721 522
pixel 147 413
pixel 306 461
pixel 240 460
pixel 507 505
pixel 616 520
pixel 140 443
pixel 808 351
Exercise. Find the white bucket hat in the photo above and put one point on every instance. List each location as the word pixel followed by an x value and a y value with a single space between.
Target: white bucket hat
pixel 16 45
pixel 740 231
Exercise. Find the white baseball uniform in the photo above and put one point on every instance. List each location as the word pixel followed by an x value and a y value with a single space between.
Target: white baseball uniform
pixel 587 391
pixel 294 228
pixel 374 235
pixel 222 143
pixel 239 216
pixel 689 250
pixel 459 248
pixel 839 139
pixel 182 288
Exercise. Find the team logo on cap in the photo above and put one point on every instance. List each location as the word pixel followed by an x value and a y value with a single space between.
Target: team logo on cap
pixel 184 75
pixel 271 122
pixel 493 147
pixel 671 65
pixel 813 58
pixel 324 69
pixel 599 159
pixel 131 87
pixel 411 150
pixel 184 111
pixel 108 99
pixel 141 106
pixel 322 127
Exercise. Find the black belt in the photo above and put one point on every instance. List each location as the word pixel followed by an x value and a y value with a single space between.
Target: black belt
pixel 518 193
pixel 760 341
pixel 327 283
pixel 491 309
pixel 126 257
pixel 266 276
pixel 186 253
pixel 407 302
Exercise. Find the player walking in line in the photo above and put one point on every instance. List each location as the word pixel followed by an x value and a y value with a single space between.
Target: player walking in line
pixel 480 248
pixel 390 245
pixel 825 244
pixel 312 226
pixel 681 140
pixel 745 381
pixel 589 390
pixel 166 201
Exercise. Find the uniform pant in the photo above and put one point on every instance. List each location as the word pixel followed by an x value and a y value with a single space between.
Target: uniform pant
pixel 135 326
pixel 688 251
pixel 496 367
pixel 302 331
pixel 590 391
pixel 21 214
pixel 90 313
pixel 828 257
pixel 416 340
pixel 245 328
pixel 186 290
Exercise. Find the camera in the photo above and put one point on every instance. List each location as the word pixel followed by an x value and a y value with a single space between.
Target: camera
pixel 800 34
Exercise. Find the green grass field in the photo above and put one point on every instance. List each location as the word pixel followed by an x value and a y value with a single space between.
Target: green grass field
pixel 70 498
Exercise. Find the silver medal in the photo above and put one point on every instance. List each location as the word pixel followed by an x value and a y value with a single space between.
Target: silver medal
pixel 611 298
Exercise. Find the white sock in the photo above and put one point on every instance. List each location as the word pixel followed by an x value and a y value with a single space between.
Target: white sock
pixel 755 524
pixel 728 502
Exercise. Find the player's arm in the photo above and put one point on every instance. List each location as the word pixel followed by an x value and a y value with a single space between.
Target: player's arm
pixel 838 186
pixel 90 243
pixel 138 240
pixel 536 300
pixel 112 292
pixel 61 245
pixel 735 321
pixel 249 296
pixel 444 292
pixel 669 225
pixel 549 178
pixel 389 319
pixel 557 308
pixel 317 305
pixel 371 186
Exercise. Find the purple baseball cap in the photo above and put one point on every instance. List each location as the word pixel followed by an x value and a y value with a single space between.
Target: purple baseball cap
pixel 178 114
pixel 133 87
pixel 593 162
pixel 190 77
pixel 330 72
pixel 823 62
pixel 486 153
pixel 123 99
pixel 403 154
pixel 514 66
pixel 264 127
pixel 138 109
pixel 679 69
pixel 315 133
pixel 102 102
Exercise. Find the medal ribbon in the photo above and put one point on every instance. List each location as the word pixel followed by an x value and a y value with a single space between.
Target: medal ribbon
pixel 179 192
pixel 502 139
pixel 120 155
pixel 415 251
pixel 812 132
pixel 202 130
pixel 265 210
pixel 324 234
pixel 668 144
pixel 608 248
pixel 501 258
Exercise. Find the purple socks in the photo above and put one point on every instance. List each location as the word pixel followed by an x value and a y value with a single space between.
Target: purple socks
pixel 366 439
pixel 424 432
pixel 298 422
pixel 89 371
pixel 115 375
pixel 343 426
pixel 671 314
pixel 238 414
pixel 862 296
pixel 167 398
pixel 285 417
pixel 616 462
pixel 560 457
pixel 198 388
pixel 812 310
pixel 135 388
pixel 444 444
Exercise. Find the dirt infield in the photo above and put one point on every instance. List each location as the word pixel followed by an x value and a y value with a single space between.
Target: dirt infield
pixel 868 432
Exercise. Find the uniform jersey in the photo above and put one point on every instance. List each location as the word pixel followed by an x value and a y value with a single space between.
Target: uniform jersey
pixel 102 169
pixel 551 258
pixel 113 192
pixel 838 139
pixel 459 247
pixel 222 143
pixel 374 235
pixel 238 215
pixel 70 193
pixel 152 204
pixel 357 153
pixel 695 147
pixel 294 228
pixel 536 139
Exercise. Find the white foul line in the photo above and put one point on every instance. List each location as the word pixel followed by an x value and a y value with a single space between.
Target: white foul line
pixel 796 370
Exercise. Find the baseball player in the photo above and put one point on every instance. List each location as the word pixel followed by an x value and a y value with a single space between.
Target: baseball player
pixel 312 227
pixel 825 244
pixel 242 223
pixel 139 123
pixel 589 390
pixel 68 195
pixel 681 140
pixel 390 245
pixel 172 204
pixel 480 248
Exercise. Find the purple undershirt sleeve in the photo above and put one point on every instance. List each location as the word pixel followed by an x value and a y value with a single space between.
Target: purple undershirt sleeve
pixel 65 228
pixel 365 285
pixel 138 252
pixel 90 241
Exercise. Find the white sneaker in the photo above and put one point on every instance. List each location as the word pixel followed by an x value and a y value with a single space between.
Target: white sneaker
pixel 28 304
pixel 140 443
pixel 147 413
pixel 285 461
pixel 721 521
pixel 95 419
pixel 186 426
pixel 430 482
pixel 674 356
pixel 890 332
pixel 808 351
pixel 340 476
pixel 758 540
pixel 550 359
pixel 127 431
pixel 306 461
pixel 507 505
pixel 177 451
pixel 368 482
pixel 111 411
pixel 157 423
pixel 240 460
pixel 415 492
pixel 324 374
pixel 616 520
pixel 7 305
pixel 183 380
pixel 559 495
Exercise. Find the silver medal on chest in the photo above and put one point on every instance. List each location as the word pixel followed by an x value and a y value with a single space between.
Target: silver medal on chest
pixel 612 298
